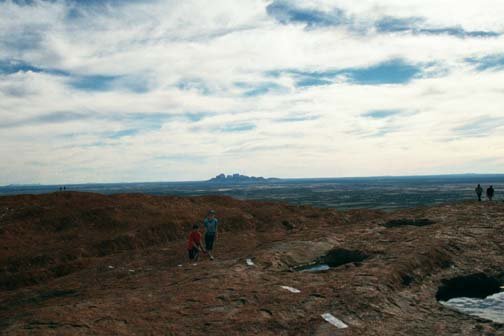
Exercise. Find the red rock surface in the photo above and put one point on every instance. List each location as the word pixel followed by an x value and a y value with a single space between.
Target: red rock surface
pixel 89 264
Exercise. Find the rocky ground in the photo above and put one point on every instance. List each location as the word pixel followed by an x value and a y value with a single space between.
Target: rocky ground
pixel 88 264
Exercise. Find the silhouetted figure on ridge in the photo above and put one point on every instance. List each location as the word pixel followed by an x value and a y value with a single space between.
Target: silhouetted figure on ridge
pixel 479 191
pixel 490 192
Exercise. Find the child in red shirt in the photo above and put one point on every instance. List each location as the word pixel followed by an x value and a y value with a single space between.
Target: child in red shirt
pixel 194 243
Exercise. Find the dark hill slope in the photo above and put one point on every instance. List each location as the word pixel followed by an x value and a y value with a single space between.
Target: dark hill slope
pixel 46 236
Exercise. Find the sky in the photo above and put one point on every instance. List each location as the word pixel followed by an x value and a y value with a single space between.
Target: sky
pixel 165 90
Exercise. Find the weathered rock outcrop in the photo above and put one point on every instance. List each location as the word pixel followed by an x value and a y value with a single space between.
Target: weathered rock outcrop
pixel 238 179
pixel 88 264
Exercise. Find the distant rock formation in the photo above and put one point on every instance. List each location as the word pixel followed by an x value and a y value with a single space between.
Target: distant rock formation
pixel 238 178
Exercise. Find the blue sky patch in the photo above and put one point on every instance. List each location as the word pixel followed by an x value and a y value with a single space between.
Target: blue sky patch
pixel 287 13
pixel 392 72
pixel 93 83
pixel 21 2
pixel 27 41
pixel 480 127
pixel 395 71
pixel 375 133
pixel 458 32
pixel 48 118
pixel 144 121
pixel 197 116
pixel 381 114
pixel 494 62
pixel 298 118
pixel 193 84
pixel 59 117
pixel 124 133
pixel 78 2
pixel 238 127
pixel 137 121
pixel 154 121
pixel 85 83
pixel 418 25
pixel 312 81
pixel 306 78
pixel 133 83
pixel 8 67
pixel 392 24
pixel 258 89
pixel 109 82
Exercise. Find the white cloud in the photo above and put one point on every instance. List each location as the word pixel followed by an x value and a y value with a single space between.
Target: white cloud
pixel 161 45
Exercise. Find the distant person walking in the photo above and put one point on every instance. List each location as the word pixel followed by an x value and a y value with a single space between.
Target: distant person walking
pixel 479 191
pixel 490 193
pixel 194 243
pixel 211 224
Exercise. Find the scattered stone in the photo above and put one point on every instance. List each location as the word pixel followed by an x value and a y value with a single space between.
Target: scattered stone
pixel 334 321
pixel 291 289
pixel 266 313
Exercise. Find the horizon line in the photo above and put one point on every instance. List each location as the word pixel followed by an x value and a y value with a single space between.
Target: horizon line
pixel 278 178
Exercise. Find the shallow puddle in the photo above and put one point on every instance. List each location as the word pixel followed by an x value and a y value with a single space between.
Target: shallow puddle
pixel 490 308
pixel 314 268
pixel 333 258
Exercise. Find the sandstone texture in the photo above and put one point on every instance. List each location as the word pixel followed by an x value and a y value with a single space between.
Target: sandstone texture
pixel 88 264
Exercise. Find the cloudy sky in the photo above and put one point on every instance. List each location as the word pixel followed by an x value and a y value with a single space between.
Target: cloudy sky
pixel 167 90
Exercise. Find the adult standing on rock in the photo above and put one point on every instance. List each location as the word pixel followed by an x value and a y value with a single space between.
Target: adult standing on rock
pixel 490 193
pixel 479 191
pixel 211 224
